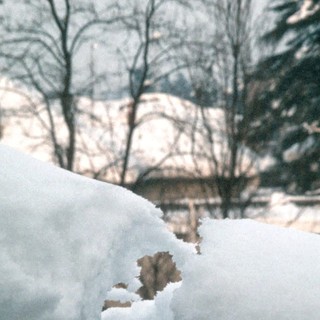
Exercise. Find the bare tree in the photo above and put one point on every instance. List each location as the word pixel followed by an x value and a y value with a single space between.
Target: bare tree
pixel 226 66
pixel 42 51
pixel 152 59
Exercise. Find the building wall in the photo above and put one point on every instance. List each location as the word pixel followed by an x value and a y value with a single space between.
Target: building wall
pixel 159 190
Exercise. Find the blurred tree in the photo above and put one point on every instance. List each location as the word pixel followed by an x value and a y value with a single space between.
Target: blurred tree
pixel 288 98
pixel 40 44
pixel 226 61
pixel 152 60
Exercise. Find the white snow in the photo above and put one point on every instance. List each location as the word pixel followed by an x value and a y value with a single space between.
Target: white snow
pixel 122 295
pixel 308 8
pixel 66 240
pixel 157 309
pixel 248 270
pixel 299 149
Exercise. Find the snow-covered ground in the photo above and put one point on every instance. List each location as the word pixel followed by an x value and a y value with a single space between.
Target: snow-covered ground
pixel 297 212
pixel 285 210
pixel 65 240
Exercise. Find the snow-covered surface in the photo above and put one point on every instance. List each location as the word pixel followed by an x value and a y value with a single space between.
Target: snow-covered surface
pixel 157 309
pixel 172 138
pixel 285 210
pixel 269 205
pixel 65 240
pixel 299 150
pixel 251 271
pixel 246 270
pixel 307 9
pixel 122 295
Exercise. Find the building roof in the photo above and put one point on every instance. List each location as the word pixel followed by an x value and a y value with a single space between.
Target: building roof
pixel 173 137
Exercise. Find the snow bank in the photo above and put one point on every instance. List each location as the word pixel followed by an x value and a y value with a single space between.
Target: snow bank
pixel 249 270
pixel 246 270
pixel 66 240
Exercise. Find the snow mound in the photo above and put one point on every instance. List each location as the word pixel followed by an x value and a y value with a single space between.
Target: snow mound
pixel 249 270
pixel 246 271
pixel 66 240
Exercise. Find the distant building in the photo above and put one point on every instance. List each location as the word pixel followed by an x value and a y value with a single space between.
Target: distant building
pixel 178 149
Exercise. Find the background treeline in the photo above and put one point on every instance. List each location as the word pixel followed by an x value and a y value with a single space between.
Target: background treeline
pixel 259 65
